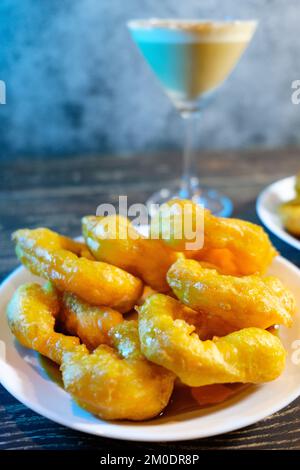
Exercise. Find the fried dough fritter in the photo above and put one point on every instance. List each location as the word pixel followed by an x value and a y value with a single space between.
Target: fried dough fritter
pixel 31 316
pixel 114 240
pixel 244 245
pixel 117 383
pixel 206 326
pixel 113 382
pixel 240 301
pixel 54 257
pixel 249 355
pixel 215 334
pixel 90 323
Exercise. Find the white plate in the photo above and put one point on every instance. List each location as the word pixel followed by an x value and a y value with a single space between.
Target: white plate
pixel 267 205
pixel 23 376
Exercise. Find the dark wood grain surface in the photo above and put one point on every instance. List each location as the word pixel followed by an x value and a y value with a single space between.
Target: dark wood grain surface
pixel 57 193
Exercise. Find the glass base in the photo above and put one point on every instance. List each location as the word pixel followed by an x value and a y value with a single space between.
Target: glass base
pixel 219 204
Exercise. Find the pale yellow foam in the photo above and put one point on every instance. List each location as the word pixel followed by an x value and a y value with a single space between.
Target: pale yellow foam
pixel 203 31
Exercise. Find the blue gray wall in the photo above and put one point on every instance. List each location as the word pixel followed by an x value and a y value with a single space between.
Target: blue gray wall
pixel 76 83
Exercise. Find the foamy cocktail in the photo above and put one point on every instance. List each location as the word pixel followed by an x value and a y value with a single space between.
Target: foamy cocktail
pixel 191 58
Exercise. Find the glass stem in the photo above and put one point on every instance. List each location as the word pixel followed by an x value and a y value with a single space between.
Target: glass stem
pixel 186 184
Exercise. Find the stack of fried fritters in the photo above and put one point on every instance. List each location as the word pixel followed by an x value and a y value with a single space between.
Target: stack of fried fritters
pixel 201 315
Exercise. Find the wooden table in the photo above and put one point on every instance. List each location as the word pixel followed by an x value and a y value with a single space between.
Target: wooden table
pixel 56 193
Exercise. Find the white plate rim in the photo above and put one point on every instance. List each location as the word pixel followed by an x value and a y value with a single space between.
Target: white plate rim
pixel 134 433
pixel 263 213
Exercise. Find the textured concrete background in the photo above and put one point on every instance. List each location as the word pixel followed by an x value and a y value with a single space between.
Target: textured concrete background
pixel 76 83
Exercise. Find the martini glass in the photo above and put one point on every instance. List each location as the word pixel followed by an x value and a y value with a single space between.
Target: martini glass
pixel 191 59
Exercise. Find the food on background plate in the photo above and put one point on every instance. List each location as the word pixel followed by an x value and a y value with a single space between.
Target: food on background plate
pixel 297 185
pixel 289 212
pixel 113 239
pixel 290 216
pixel 245 246
pixel 209 331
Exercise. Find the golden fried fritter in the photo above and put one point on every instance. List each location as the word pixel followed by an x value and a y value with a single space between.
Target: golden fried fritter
pixel 54 257
pixel 222 259
pixel 31 318
pixel 90 323
pixel 290 216
pixel 250 355
pixel 117 383
pixel 248 249
pixel 146 292
pixel 113 239
pixel 206 326
pixel 240 301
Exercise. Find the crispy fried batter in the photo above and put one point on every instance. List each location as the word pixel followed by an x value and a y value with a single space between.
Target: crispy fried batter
pixel 31 318
pixel 240 301
pixel 54 257
pixel 246 247
pixel 249 355
pixel 206 326
pixel 90 323
pixel 126 368
pixel 117 384
pixel 113 239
